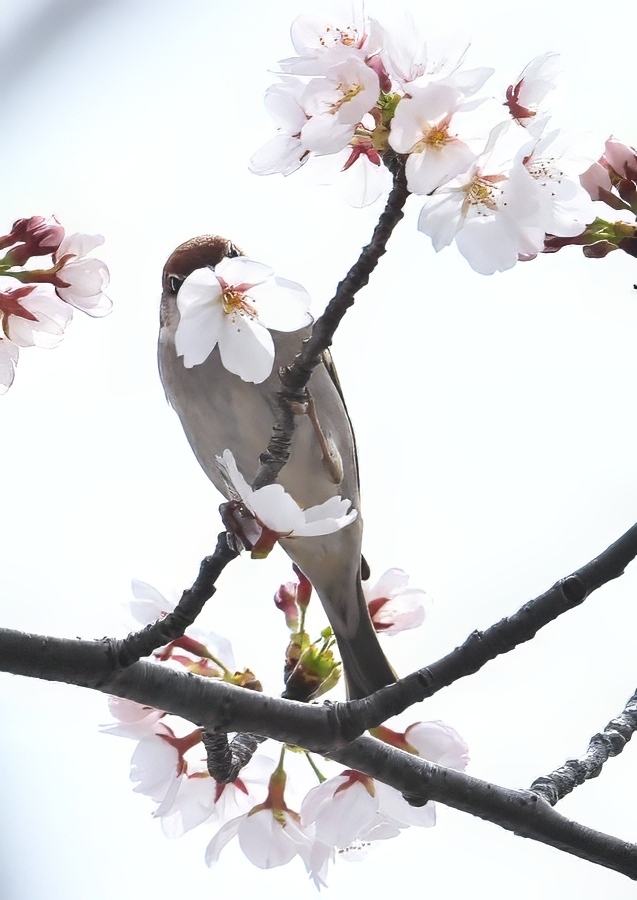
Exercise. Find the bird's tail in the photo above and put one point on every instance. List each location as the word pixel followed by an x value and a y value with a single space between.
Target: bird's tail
pixel 365 666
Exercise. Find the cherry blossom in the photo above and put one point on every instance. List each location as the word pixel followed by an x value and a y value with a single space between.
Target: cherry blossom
pixel 531 88
pixel 348 91
pixel 394 607
pixel 341 808
pixel 133 719
pixel 285 152
pixel 275 509
pixel 493 211
pixel 555 162
pixel 81 279
pixel 31 316
pixel 271 834
pixel 233 307
pixel 8 361
pixel 321 42
pixel 423 127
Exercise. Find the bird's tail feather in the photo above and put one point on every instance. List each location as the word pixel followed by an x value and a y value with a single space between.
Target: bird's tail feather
pixel 365 666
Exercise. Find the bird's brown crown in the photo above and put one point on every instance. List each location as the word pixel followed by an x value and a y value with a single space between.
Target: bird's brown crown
pixel 197 253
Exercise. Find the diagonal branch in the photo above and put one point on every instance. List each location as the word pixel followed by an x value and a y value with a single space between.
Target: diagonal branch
pixel 610 742
pixel 294 378
pixel 482 646
pixel 142 643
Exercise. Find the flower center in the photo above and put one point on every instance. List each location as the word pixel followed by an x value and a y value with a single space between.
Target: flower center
pixel 349 92
pixel 482 194
pixel 236 304
pixel 346 36
pixel 544 170
pixel 433 136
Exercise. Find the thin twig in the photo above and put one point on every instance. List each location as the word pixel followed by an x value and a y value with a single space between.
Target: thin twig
pixel 610 742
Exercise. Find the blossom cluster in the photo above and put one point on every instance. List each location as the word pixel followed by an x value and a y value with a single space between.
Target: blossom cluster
pixel 270 808
pixel 495 175
pixel 36 311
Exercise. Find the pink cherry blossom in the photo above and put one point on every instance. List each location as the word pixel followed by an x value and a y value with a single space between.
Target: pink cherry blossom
pixel 392 605
pixel 80 279
pixel 532 86
pixel 35 236
pixel 32 316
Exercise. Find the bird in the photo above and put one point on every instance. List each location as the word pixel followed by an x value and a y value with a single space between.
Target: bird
pixel 220 411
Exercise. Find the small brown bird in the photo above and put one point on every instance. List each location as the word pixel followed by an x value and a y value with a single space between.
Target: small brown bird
pixel 219 411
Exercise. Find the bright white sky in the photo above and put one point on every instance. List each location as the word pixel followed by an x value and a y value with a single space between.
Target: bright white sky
pixel 495 420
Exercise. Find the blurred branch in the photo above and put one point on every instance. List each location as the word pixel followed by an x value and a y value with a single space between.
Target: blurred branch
pixel 610 742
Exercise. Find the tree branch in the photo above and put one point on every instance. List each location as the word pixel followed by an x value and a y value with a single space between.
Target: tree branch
pixel 142 643
pixel 574 772
pixel 294 378
pixel 219 707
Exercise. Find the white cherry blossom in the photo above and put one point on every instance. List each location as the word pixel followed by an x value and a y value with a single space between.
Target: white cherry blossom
pixel 274 508
pixel 341 808
pixel 424 127
pixel 321 42
pixel 493 211
pixel 81 279
pixel 285 152
pixel 555 162
pixel 234 306
pixel 347 92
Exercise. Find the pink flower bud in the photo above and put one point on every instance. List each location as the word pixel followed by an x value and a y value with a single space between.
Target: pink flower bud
pixel 35 236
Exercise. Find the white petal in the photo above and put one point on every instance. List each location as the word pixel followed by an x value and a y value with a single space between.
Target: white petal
pixel 242 270
pixel 78 244
pixel 439 743
pixel 274 507
pixel 265 842
pixel 199 330
pixel 391 804
pixel 282 305
pixel 246 348
pixel 221 838
pixel 282 155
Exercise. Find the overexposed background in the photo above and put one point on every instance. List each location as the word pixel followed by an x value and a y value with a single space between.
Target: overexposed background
pixel 495 419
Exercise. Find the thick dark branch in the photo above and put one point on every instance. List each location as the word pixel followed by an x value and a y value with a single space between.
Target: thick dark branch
pixel 163 631
pixel 522 812
pixel 90 664
pixel 483 646
pixel 574 772
pixel 294 378
pixel 219 707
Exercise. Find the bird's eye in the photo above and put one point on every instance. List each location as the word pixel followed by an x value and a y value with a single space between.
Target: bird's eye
pixel 175 282
pixel 232 251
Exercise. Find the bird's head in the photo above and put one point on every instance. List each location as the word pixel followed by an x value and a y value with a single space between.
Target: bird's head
pixel 197 253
